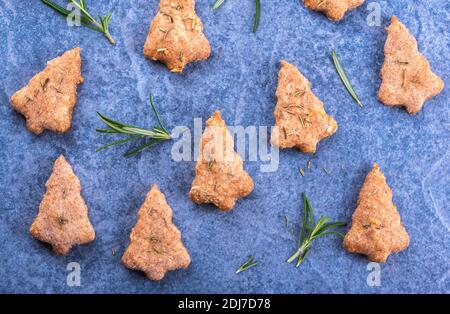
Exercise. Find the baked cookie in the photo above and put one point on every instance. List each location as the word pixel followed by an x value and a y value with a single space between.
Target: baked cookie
pixel 176 35
pixel 376 229
pixel 63 219
pixel 300 118
pixel 407 79
pixel 333 9
pixel 48 100
pixel 220 177
pixel 156 245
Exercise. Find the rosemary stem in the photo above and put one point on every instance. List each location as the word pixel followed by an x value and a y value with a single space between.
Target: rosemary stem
pixel 109 37
pixel 300 252
pixel 93 21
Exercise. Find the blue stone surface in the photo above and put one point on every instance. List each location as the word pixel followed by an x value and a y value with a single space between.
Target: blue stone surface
pixel 240 78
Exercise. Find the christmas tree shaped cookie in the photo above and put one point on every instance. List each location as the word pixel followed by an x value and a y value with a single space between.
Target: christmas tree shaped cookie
pixel 300 118
pixel 48 100
pixel 333 9
pixel 63 219
pixel 156 245
pixel 220 177
pixel 176 35
pixel 376 229
pixel 407 79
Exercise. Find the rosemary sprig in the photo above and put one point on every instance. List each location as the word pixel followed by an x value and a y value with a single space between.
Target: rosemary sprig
pixel 340 70
pixel 247 265
pixel 217 4
pixel 157 134
pixel 257 15
pixel 312 230
pixel 86 18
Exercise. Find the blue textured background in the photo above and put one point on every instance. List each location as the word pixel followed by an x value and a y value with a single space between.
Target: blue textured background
pixel 240 78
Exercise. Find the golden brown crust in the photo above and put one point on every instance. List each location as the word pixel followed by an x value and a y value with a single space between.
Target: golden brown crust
pixel 48 100
pixel 300 118
pixel 220 177
pixel 156 246
pixel 176 35
pixel 376 230
pixel 63 219
pixel 333 9
pixel 407 79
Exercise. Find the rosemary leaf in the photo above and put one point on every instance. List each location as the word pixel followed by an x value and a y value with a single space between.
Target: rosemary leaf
pixel 106 131
pixel 340 70
pixel 247 265
pixel 257 15
pixel 302 172
pixel 56 7
pixel 163 129
pixel 137 150
pixel 217 4
pixel 118 142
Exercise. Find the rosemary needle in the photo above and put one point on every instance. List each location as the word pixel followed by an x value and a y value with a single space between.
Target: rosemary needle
pixel 340 70
pixel 247 265
pixel 311 231
pixel 217 4
pixel 86 18
pixel 157 134
pixel 257 15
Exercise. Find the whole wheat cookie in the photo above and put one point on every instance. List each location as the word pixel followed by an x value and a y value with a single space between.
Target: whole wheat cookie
pixel 156 246
pixel 300 118
pixel 176 37
pixel 376 229
pixel 63 219
pixel 220 177
pixel 407 79
pixel 333 9
pixel 48 100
